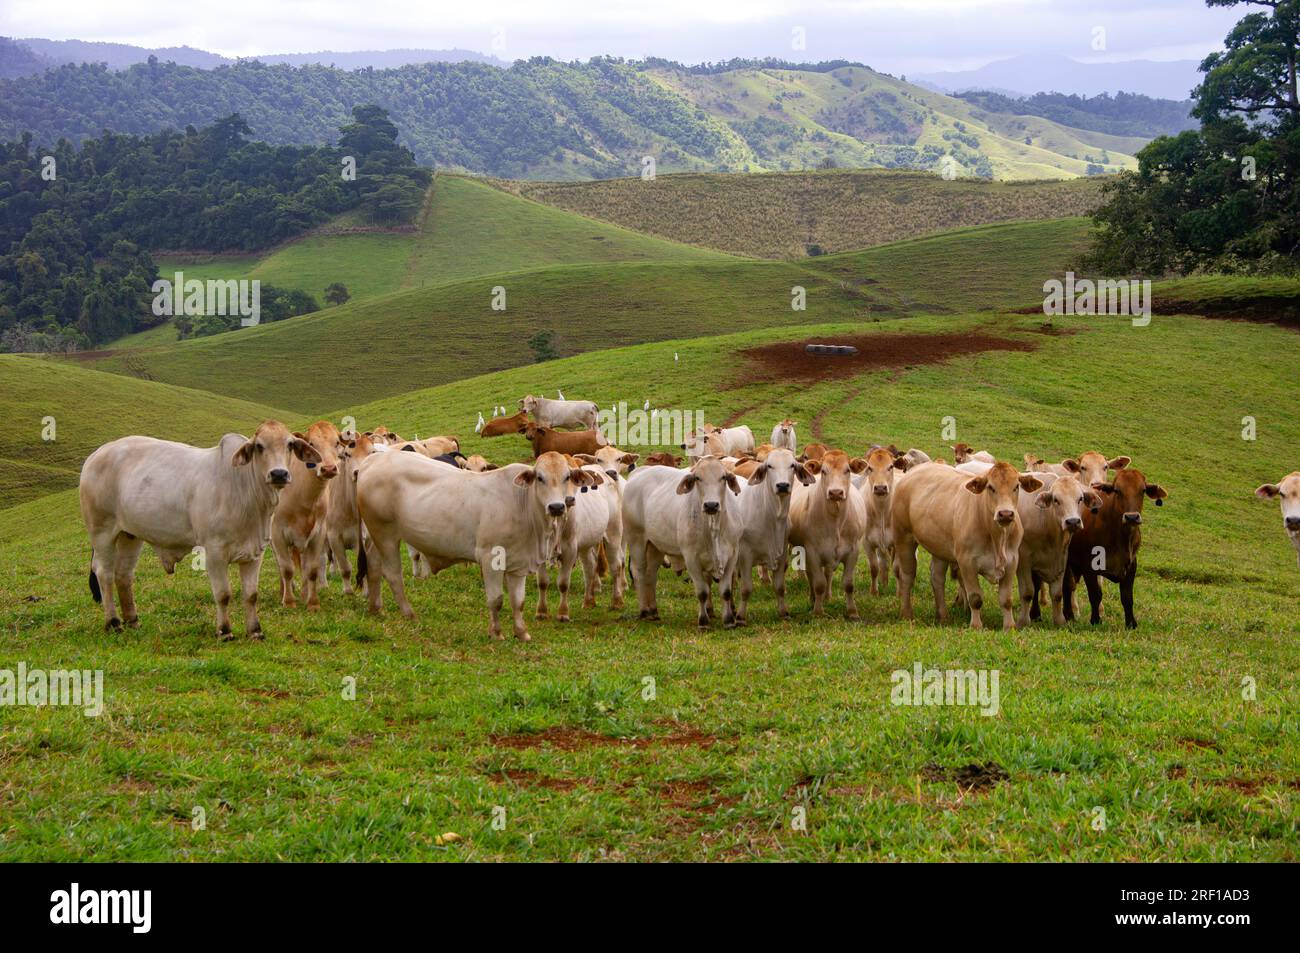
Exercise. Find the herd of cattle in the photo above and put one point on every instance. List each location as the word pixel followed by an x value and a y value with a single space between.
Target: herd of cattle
pixel 724 509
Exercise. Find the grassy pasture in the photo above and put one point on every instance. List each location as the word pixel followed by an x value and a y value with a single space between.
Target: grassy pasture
pixel 743 726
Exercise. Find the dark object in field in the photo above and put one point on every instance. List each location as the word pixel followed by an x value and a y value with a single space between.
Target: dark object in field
pixel 842 350
pixel 785 361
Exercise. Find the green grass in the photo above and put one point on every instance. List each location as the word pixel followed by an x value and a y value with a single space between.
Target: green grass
pixel 744 725
pixel 396 343
pixel 90 407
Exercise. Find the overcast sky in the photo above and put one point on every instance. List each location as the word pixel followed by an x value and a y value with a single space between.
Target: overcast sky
pixel 897 36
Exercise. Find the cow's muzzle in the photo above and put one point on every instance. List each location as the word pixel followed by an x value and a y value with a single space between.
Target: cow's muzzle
pixel 1005 517
pixel 327 471
pixel 1293 523
pixel 1072 524
pixel 278 477
pixel 712 506
pixel 1133 519
pixel 835 494
pixel 880 490
pixel 556 509
pixel 783 488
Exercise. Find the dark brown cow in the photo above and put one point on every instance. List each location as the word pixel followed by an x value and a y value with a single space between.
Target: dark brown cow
pixel 662 458
pixel 544 440
pixel 500 426
pixel 1111 536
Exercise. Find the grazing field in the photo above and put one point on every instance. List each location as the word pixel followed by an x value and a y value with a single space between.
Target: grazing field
pixel 399 342
pixel 795 214
pixel 609 738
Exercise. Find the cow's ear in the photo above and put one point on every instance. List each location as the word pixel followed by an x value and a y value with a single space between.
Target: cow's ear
pixel 759 474
pixel 1104 487
pixel 1092 500
pixel 1119 463
pixel 803 476
pixel 687 483
pixel 977 485
pixel 1157 493
pixel 585 458
pixel 243 456
pixel 1044 500
pixel 857 465
pixel 1071 465
pixel 1265 492
pixel 732 483
pixel 410 447
pixel 526 477
pixel 813 466
pixel 629 459
pixel 1031 461
pixel 303 450
pixel 490 466
pixel 1030 483
pixel 902 463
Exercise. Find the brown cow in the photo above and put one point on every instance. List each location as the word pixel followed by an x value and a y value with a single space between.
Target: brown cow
pixel 813 451
pixel 662 458
pixel 298 534
pixel 828 519
pixel 1107 544
pixel 500 426
pixel 877 489
pixel 545 440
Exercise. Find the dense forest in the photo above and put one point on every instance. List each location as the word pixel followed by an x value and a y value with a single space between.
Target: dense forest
pixel 77 224
pixel 1124 114
pixel 1226 196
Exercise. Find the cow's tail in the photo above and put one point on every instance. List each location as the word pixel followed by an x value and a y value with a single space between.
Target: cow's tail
pixel 602 561
pixel 361 561
pixel 94 586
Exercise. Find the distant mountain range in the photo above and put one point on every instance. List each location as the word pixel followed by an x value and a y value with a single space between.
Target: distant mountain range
pixel 118 56
pixel 1034 73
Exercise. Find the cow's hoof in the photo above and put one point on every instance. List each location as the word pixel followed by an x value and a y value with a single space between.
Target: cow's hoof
pixel 257 635
pixel 589 603
pixel 852 616
pixel 133 623
pixel 562 617
pixel 523 637
pixel 225 635
pixel 113 624
pixel 615 604
pixel 313 607
pixel 703 622
pixel 541 615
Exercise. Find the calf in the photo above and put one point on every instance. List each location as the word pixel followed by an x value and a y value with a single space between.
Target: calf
pixel 298 534
pixel 783 435
pixel 571 442
pixel 477 463
pixel 342 527
pixel 1050 518
pixel 578 414
pixel 970 521
pixel 828 519
pixel 508 521
pixel 175 497
pixel 765 516
pixel 1107 545
pixel 594 520
pixel 688 518
pixel 877 488
pixel 612 460
pixel 500 426
pixel 1287 492
pixel 964 452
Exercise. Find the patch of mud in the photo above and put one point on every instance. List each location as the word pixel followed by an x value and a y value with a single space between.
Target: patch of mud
pixel 787 360
pixel 527 777
pixel 976 776
pixel 566 738
pixel 1200 743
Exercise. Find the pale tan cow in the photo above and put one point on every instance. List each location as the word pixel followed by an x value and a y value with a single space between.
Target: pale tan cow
pixel 342 526
pixel 828 520
pixel 970 521
pixel 298 534
pixel 508 521
pixel 477 463
pixel 1050 518
pixel 964 453
pixel 877 487
pixel 783 435
pixel 765 514
pixel 175 497
pixel 1287 492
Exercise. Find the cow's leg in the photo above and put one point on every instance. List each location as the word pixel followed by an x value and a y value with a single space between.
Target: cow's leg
pixel 938 581
pixel 1093 582
pixel 778 585
pixel 391 566
pixel 1028 587
pixel 1007 596
pixel 219 577
pixel 543 585
pixel 249 574
pixel 128 553
pixel 873 568
pixel 565 577
pixel 727 589
pixel 905 557
pixel 339 553
pixel 515 585
pixel 1068 582
pixel 703 585
pixel 284 559
pixel 494 593
pixel 1125 596
pixel 313 568
pixel 374 589
pixel 648 576
pixel 103 563
pixel 1057 588
pixel 816 581
pixel 591 577
pixel 614 555
pixel 970 583
pixel 744 575
pixel 850 569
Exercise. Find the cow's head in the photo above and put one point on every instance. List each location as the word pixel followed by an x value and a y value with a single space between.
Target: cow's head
pixel 882 466
pixel 785 430
pixel 834 470
pixel 709 480
pixel 553 481
pixel 612 460
pixel 779 471
pixel 528 404
pixel 532 432
pixel 1288 493
pixel 1127 492
pixel 477 463
pixel 329 446
pixel 269 452
pixel 812 451
pixel 663 458
pixel 1067 498
pixel 1092 466
pixel 1000 488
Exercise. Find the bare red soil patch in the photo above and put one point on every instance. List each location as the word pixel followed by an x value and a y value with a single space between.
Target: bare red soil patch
pixel 786 360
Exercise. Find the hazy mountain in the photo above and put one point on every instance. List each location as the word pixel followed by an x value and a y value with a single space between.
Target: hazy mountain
pixel 1033 73
pixel 19 60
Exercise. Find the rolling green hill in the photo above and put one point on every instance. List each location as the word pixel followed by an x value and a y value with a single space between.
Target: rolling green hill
pixel 90 407
pixel 795 214
pixel 394 343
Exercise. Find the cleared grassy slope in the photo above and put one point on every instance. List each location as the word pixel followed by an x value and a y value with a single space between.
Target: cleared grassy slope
pixel 747 724
pixel 782 214
pixel 89 408
pixel 403 341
